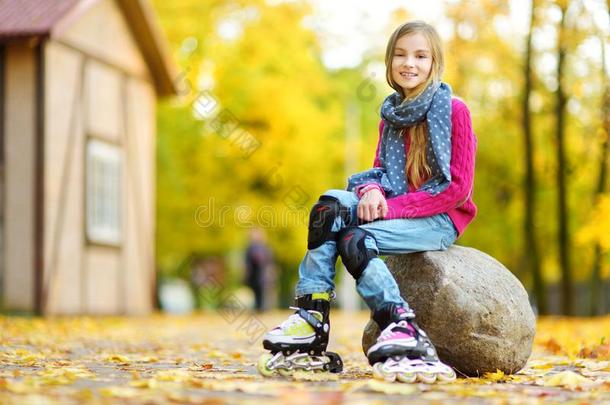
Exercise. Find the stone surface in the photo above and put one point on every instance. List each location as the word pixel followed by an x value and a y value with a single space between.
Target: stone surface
pixel 474 309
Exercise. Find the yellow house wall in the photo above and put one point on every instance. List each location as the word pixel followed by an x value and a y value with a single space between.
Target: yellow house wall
pixel 64 181
pixel 104 104
pixel 19 142
pixel 140 195
pixel 115 102
pixel 102 32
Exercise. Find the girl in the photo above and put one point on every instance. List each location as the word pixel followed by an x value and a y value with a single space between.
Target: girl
pixel 417 197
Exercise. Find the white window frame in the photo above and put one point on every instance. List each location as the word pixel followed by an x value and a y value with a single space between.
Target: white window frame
pixel 103 195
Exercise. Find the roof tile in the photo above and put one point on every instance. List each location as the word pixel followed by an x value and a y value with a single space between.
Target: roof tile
pixel 24 18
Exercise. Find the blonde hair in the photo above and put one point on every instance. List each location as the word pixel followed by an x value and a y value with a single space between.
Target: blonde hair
pixel 417 170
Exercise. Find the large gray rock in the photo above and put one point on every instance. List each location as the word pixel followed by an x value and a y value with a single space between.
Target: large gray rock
pixel 475 311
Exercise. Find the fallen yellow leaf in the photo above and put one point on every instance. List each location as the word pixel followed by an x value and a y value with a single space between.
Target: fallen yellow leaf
pixel 144 383
pixel 18 387
pixel 566 379
pixel 495 377
pixel 552 346
pixel 390 388
pixel 172 375
pixel 592 365
pixel 119 392
pixel 118 358
pixel 216 354
pixel 301 375
pixel 148 359
pixel 237 355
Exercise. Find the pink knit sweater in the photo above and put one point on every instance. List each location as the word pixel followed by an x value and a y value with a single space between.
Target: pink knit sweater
pixel 456 200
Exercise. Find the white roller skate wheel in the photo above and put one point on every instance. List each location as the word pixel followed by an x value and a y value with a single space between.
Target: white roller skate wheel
pixel 261 366
pixel 389 377
pixel 408 377
pixel 377 371
pixel 426 378
pixel 285 372
pixel 447 375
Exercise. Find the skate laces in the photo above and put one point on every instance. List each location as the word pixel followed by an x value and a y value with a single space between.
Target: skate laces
pixel 295 319
pixel 292 320
pixel 398 330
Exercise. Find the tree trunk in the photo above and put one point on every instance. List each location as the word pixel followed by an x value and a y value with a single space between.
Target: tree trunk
pixel 567 289
pixel 530 250
pixel 596 281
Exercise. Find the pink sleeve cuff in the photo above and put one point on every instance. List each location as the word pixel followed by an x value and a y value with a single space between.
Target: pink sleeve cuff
pixel 360 190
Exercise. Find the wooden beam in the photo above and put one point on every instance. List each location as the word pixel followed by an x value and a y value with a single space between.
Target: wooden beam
pixel 39 179
pixel 2 186
pixel 146 32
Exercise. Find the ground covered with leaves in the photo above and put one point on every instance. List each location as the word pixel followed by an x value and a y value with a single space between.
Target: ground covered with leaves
pixel 210 358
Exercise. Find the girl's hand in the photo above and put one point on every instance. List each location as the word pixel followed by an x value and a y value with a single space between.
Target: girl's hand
pixel 372 206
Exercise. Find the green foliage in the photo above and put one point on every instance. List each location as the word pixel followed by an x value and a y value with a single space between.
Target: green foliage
pixel 260 63
pixel 211 189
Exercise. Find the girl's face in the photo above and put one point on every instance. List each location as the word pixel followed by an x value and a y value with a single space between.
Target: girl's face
pixel 411 62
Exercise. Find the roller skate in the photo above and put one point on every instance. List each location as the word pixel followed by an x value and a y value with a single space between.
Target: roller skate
pixel 403 351
pixel 299 343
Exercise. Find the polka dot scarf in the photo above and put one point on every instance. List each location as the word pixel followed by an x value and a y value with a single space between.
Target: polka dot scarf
pixel 432 105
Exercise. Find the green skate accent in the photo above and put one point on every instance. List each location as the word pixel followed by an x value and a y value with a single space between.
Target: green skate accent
pixel 302 328
pixel 321 296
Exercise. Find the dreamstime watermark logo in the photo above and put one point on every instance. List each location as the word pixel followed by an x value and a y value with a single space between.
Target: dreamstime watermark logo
pixel 367 92
pixel 232 309
pixel 294 197
pixel 220 120
pixel 228 127
pixel 244 216
pixel 205 275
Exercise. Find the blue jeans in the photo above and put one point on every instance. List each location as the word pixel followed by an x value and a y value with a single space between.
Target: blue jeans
pixel 394 236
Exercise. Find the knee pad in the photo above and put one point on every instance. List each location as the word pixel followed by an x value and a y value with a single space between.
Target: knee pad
pixel 322 218
pixel 353 251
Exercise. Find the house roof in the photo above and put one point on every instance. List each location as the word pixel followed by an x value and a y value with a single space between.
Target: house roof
pixel 22 19
pixel 27 18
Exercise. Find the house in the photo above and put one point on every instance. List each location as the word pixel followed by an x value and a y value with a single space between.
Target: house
pixel 79 81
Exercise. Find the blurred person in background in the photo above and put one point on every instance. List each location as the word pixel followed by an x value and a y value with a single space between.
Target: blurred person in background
pixel 260 270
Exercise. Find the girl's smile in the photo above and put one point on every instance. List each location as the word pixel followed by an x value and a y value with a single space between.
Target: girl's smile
pixel 411 62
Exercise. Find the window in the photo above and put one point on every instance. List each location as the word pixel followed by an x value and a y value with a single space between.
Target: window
pixel 103 195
